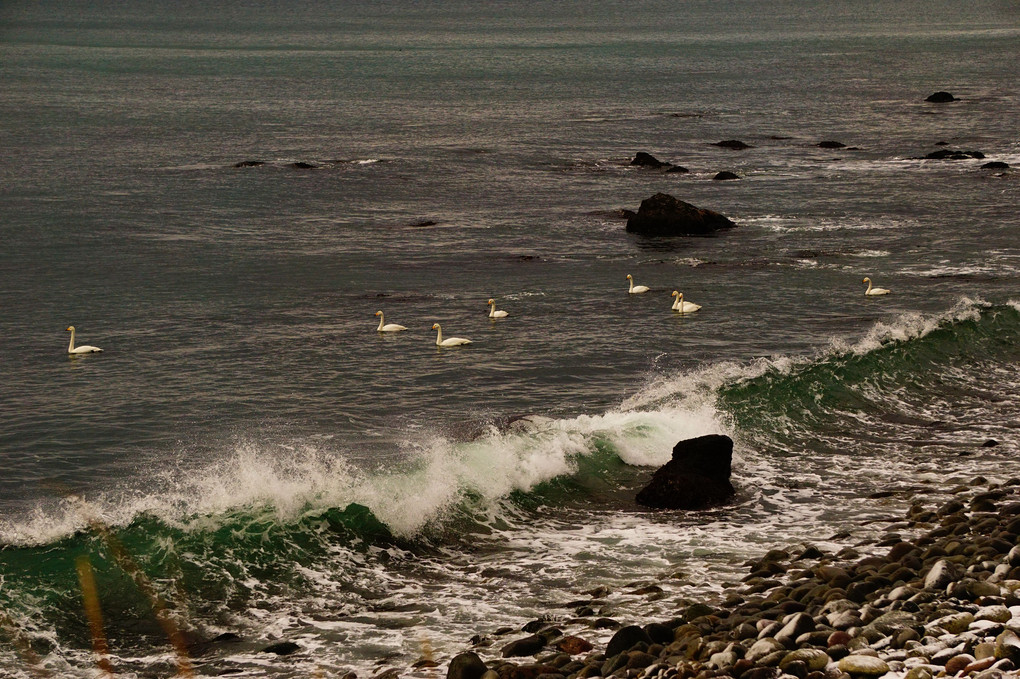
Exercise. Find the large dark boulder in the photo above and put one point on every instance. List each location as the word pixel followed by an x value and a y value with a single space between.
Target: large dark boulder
pixel 522 647
pixel 698 476
pixel 664 215
pixel 466 666
pixel 940 98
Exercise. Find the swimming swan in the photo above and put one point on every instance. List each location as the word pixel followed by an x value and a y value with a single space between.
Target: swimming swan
pixel 450 341
pixel 83 349
pixel 388 327
pixel 492 310
pixel 635 289
pixel 683 307
pixel 874 291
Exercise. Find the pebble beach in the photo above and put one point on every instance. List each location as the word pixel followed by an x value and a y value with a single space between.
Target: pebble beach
pixel 937 596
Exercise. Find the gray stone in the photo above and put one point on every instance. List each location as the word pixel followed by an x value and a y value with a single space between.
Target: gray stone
pixel 867 665
pixel 762 648
pixel 954 623
pixel 941 574
pixel 813 658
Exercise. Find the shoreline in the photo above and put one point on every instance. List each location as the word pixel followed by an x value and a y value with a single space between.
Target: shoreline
pixel 943 603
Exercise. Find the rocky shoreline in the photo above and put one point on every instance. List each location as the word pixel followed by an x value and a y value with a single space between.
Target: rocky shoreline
pixel 943 603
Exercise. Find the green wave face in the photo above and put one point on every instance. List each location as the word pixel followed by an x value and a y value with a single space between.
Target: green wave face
pixel 920 382
pixel 907 397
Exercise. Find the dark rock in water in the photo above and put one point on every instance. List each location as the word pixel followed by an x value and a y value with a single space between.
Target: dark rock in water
pixel 724 175
pixel 664 215
pixel 522 647
pixel 226 637
pixel 625 639
pixel 830 145
pixel 282 648
pixel 301 165
pixel 953 154
pixel 648 160
pixel 677 169
pixel 940 97
pixel 466 666
pixel 995 165
pixel 249 163
pixel 698 475
pixel 422 222
pixel 735 144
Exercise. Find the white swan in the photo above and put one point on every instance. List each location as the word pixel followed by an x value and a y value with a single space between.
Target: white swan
pixel 387 327
pixel 450 341
pixel 683 307
pixel 492 310
pixel 83 349
pixel 874 291
pixel 635 289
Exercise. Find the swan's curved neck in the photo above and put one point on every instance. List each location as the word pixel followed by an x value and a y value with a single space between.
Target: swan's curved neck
pixel 439 335
pixel 70 347
pixel 632 285
pixel 382 319
pixel 869 287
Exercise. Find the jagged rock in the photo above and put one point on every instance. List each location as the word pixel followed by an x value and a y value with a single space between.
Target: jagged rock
pixel 698 475
pixel 648 160
pixel 664 215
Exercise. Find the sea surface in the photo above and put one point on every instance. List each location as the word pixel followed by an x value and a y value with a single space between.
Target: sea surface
pixel 248 457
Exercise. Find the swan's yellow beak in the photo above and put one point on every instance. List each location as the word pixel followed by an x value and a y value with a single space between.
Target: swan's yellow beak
pixel 67 330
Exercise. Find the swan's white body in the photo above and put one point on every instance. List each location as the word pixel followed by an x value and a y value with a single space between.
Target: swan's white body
pixel 683 307
pixel 874 291
pixel 83 349
pixel 636 289
pixel 387 327
pixel 449 341
pixel 492 310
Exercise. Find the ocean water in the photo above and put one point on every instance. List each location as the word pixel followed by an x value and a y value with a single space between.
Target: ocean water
pixel 250 451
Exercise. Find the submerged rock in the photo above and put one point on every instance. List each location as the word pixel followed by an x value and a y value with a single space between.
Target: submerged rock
pixel 664 215
pixel 940 97
pixel 698 475
pixel 725 175
pixel 282 648
pixel 734 144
